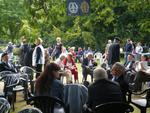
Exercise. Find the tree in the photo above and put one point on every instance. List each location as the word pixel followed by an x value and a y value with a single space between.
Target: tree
pixel 48 19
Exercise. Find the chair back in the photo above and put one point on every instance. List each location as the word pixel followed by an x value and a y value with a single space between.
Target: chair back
pixel 114 107
pixel 75 96
pixel 4 73
pixel 148 97
pixel 30 110
pixel 4 106
pixel 11 80
pixel 28 70
pixel 46 104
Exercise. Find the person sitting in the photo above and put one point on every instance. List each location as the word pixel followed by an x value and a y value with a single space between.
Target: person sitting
pixel 88 65
pixel 103 90
pixel 130 64
pixel 5 65
pixel 143 73
pixel 143 64
pixel 63 72
pixel 70 65
pixel 59 61
pixel 47 84
pixel 119 76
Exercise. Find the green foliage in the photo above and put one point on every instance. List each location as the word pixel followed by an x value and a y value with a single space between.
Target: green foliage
pixel 48 19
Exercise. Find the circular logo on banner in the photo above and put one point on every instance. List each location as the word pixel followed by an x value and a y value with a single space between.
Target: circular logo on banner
pixel 73 7
pixel 85 7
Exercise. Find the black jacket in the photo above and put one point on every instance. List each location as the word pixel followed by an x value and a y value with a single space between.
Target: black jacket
pixel 103 91
pixel 123 85
pixel 129 65
pixel 114 53
pixel 7 67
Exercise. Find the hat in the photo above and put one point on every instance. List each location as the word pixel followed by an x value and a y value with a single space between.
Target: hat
pixel 117 38
pixel 4 54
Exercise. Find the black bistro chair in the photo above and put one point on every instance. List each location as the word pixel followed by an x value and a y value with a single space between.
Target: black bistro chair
pixel 114 107
pixel 4 73
pixel 30 72
pixel 47 104
pixel 30 110
pixel 4 105
pixel 13 84
pixel 141 103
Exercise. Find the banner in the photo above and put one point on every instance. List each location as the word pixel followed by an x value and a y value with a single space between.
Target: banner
pixel 78 7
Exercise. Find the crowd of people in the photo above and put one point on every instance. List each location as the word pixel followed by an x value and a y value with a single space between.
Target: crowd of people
pixel 109 79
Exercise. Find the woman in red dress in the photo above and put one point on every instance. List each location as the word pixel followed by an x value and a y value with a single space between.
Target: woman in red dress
pixel 69 64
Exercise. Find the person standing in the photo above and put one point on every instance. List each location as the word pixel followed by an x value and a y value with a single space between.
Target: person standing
pixel 79 55
pixel 107 46
pixel 9 50
pixel 24 49
pixel 128 49
pixel 38 56
pixel 138 51
pixel 105 55
pixel 58 48
pixel 114 52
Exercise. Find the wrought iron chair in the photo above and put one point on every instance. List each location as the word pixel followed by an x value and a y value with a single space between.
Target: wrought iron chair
pixel 30 110
pixel 114 107
pixel 30 72
pixel 141 103
pixel 11 86
pixel 4 105
pixel 4 73
pixel 47 104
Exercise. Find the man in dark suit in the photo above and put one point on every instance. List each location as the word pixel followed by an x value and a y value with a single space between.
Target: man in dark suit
pixel 114 52
pixel 130 68
pixel 129 65
pixel 128 49
pixel 103 90
pixel 5 65
pixel 88 66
